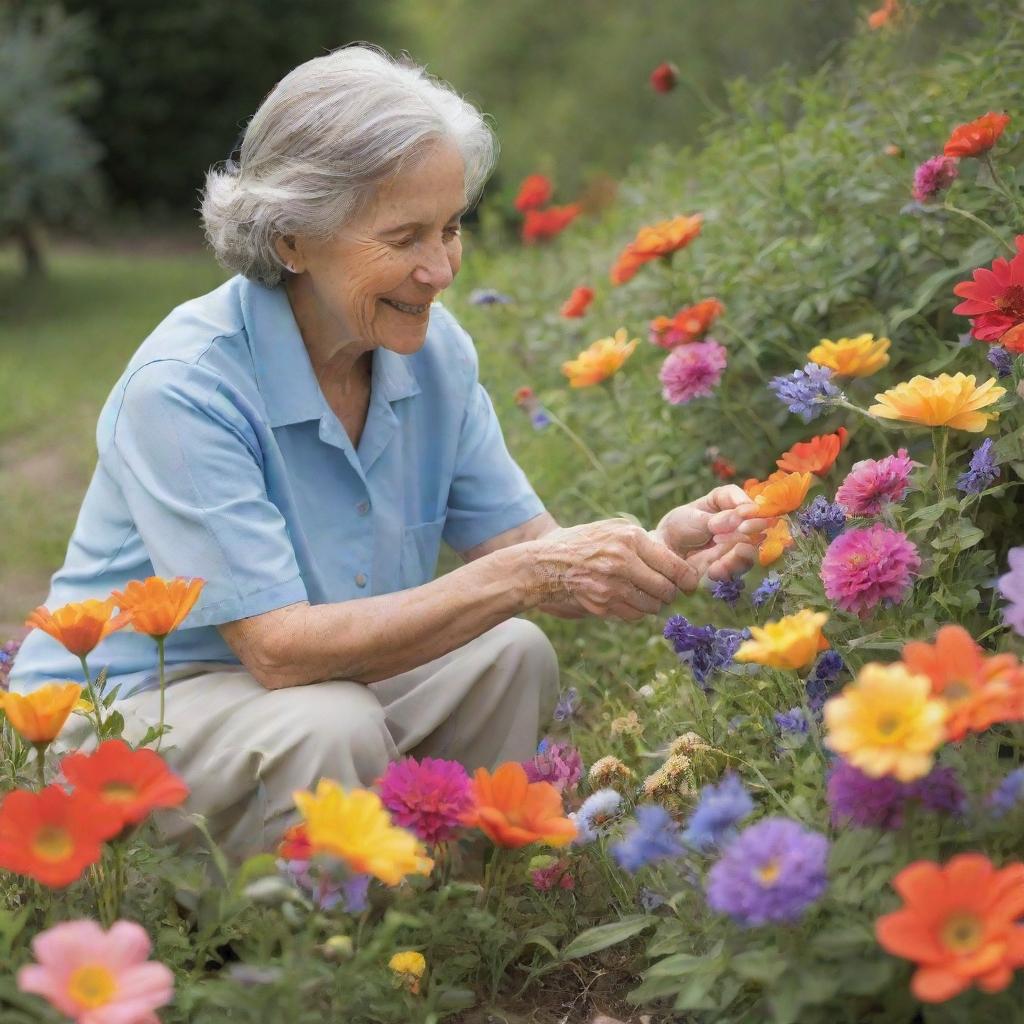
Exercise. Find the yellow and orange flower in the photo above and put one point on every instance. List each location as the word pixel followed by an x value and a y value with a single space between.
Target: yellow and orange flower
pixel 782 492
pixel 40 715
pixel 942 401
pixel 600 361
pixel 887 722
pixel 792 642
pixel 976 137
pixel 79 626
pixel 777 539
pixel 514 812
pixel 158 606
pixel 408 966
pixel 817 456
pixel 689 324
pixel 852 357
pixel 979 691
pixel 653 241
pixel 958 923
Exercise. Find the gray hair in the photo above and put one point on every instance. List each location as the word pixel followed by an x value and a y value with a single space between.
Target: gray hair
pixel 329 132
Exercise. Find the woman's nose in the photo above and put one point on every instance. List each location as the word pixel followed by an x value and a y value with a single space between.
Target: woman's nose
pixel 435 269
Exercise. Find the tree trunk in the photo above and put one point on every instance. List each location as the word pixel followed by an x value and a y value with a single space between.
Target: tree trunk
pixel 31 242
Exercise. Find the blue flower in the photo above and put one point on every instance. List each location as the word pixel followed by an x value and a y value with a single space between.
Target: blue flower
pixel 488 297
pixel 567 705
pixel 808 392
pixel 539 418
pixel 792 720
pixel 826 517
pixel 654 837
pixel 595 814
pixel 767 589
pixel 727 590
pixel 1001 359
pixel 1007 794
pixel 720 808
pixel 822 679
pixel 704 648
pixel 984 469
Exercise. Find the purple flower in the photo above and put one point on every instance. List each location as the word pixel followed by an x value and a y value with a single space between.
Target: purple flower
pixel 822 679
pixel 1007 794
pixel 487 297
pixel 792 720
pixel 1011 586
pixel 704 649
pixel 539 418
pixel 557 763
pixel 428 797
pixel 772 872
pixel 1002 359
pixel 650 900
pixel 325 891
pixel 859 799
pixel 653 837
pixel 720 808
pixel 7 654
pixel 727 590
pixel 808 392
pixel 935 175
pixel 692 371
pixel 766 590
pixel 568 704
pixel 984 469
pixel 824 517
pixel 939 791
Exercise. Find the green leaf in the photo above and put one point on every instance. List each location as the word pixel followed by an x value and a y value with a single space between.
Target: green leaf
pixel 761 965
pixel 605 935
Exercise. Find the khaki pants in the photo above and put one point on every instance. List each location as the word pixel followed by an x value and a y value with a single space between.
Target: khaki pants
pixel 244 750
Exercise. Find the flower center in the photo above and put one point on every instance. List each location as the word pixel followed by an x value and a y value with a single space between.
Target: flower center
pixel 768 873
pixel 92 985
pixel 888 724
pixel 962 933
pixel 119 792
pixel 52 843
pixel 1011 301
pixel 956 690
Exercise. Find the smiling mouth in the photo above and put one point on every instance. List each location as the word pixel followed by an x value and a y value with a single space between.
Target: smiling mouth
pixel 404 307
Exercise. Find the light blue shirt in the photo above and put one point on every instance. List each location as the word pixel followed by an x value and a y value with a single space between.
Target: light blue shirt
pixel 219 457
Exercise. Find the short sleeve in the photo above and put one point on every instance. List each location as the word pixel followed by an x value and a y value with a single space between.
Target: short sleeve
pixel 189 465
pixel 489 492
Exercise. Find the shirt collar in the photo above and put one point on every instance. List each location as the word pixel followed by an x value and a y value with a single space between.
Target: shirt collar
pixel 284 373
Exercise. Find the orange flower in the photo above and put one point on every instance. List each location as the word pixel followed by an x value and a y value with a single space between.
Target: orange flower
pixel 295 844
pixel 942 401
pixel 776 540
pixel 976 137
pixel 578 303
pixel 600 361
pixel 655 240
pixel 958 924
pixel 782 492
pixel 816 456
pixel 534 192
pixel 884 14
pixel 1013 339
pixel 79 626
pixel 689 324
pixel 158 606
pixel 979 690
pixel 40 715
pixel 514 812
pixel 129 783
pixel 52 836
pixel 540 225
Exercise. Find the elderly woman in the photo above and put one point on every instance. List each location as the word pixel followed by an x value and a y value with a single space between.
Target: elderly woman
pixel 303 438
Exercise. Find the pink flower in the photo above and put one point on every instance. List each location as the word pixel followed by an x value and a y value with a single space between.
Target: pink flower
pixel 873 483
pixel 557 763
pixel 551 876
pixel 865 566
pixel 428 797
pixel 692 371
pixel 933 176
pixel 98 977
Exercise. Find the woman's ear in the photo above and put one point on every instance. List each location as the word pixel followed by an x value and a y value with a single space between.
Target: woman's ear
pixel 289 253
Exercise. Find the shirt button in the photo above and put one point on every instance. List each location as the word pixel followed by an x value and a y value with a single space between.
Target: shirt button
pixel 360 579
pixel 363 507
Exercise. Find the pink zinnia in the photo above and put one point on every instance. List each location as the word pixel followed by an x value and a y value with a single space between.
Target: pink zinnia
pixel 865 566
pixel 98 977
pixel 873 483
pixel 692 371
pixel 933 176
pixel 428 797
pixel 557 763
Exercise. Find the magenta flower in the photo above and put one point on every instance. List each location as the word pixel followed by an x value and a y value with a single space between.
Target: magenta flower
pixel 692 371
pixel 863 567
pixel 98 977
pixel 428 797
pixel 557 763
pixel 934 176
pixel 874 483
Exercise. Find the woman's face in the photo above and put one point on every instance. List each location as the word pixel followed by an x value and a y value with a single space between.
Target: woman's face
pixel 374 280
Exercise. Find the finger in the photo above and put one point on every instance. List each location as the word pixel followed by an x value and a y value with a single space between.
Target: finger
pixel 660 558
pixel 650 582
pixel 626 612
pixel 733 563
pixel 721 499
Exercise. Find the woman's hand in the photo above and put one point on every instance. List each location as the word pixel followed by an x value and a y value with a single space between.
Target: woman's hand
pixel 611 568
pixel 713 533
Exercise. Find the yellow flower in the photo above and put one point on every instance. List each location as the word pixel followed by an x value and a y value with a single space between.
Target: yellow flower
pixel 887 722
pixel 409 966
pixel 852 357
pixel 942 401
pixel 627 725
pixel 609 771
pixel 776 539
pixel 600 360
pixel 40 715
pixel 356 828
pixel 792 642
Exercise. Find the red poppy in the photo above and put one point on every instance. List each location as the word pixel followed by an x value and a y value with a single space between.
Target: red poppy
pixel 540 225
pixel 578 303
pixel 534 192
pixel 129 783
pixel 689 324
pixel 994 297
pixel 816 456
pixel 976 137
pixel 664 77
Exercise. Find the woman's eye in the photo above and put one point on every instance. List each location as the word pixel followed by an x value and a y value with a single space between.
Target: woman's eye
pixel 404 243
pixel 453 232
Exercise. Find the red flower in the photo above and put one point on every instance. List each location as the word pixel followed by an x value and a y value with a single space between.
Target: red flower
pixel 689 324
pixel 723 468
pixel 664 77
pixel 534 192
pixel 541 225
pixel 578 303
pixel 976 137
pixel 994 297
pixel 884 14
pixel 128 783
pixel 295 844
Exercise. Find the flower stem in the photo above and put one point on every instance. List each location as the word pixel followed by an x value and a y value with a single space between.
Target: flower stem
pixel 985 226
pixel 578 441
pixel 92 698
pixel 160 641
pixel 41 764
pixel 940 444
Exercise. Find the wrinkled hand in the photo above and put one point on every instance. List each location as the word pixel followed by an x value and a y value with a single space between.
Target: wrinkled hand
pixel 713 533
